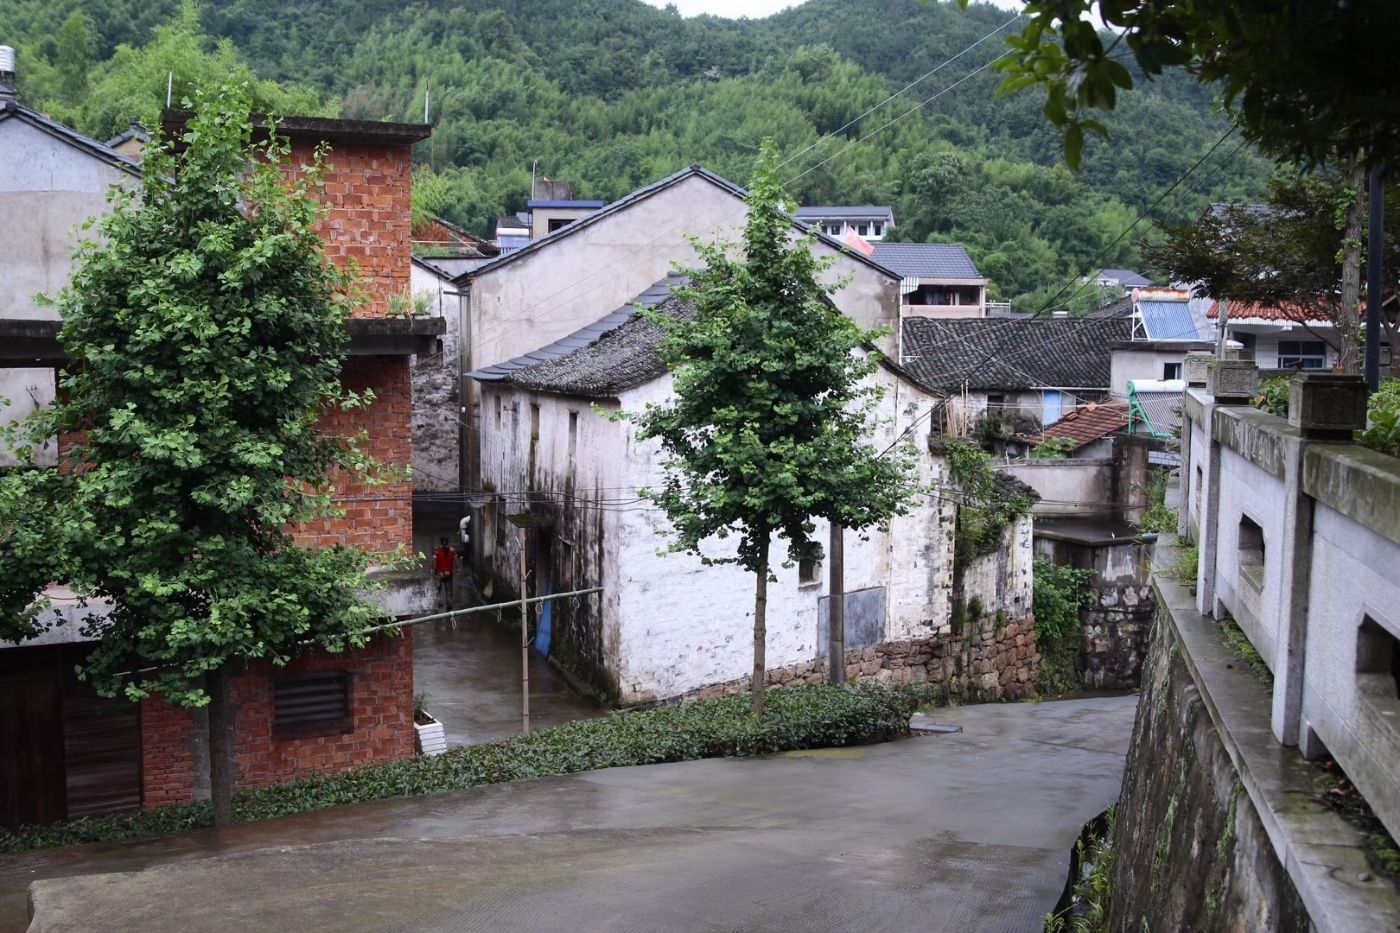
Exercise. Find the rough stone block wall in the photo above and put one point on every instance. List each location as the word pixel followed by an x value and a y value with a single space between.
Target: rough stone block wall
pixel 1191 852
pixel 381 696
pixel 991 659
pixel 377 517
pixel 1116 628
pixel 369 192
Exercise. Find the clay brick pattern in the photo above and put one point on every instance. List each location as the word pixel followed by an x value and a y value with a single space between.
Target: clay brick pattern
pixel 381 697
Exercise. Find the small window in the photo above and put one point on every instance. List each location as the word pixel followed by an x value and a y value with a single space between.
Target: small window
pixel 877 229
pixel 1251 552
pixel 1302 354
pixel 809 572
pixel 310 705
pixel 863 229
pixel 1171 370
pixel 498 412
pixel 996 403
pixel 833 229
pixel 558 223
pixel 573 436
pixel 1378 658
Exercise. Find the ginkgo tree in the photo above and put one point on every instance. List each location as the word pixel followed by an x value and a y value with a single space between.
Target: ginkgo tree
pixel 771 420
pixel 205 331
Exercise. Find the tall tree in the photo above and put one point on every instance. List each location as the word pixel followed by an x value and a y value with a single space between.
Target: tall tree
pixel 770 422
pixel 1288 253
pixel 206 331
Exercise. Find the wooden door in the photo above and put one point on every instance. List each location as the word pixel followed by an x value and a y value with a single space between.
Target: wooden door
pixel 31 737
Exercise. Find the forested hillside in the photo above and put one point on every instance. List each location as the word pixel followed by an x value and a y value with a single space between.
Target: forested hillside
pixel 612 94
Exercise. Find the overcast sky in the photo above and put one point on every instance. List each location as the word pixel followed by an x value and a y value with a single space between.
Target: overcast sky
pixel 758 8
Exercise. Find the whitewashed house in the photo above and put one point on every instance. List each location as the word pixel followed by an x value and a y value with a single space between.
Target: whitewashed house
pixel 666 625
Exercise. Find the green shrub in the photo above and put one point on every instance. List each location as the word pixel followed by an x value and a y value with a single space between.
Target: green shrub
pixel 1056 448
pixel 1273 396
pixel 808 716
pixel 988 501
pixel 1383 419
pixel 1059 592
pixel 1158 518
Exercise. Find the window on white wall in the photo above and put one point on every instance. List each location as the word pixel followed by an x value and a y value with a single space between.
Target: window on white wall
pixel 1251 548
pixel 809 573
pixel 1302 354
pixel 1171 370
pixel 1378 660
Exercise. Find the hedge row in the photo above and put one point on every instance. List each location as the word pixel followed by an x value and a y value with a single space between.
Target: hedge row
pixel 806 716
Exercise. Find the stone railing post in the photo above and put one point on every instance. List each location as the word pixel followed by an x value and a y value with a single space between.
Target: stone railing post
pixel 1194 371
pixel 1321 407
pixel 1228 382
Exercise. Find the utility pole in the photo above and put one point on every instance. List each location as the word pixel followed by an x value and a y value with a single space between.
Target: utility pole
pixel 1374 299
pixel 836 647
pixel 1224 328
pixel 524 639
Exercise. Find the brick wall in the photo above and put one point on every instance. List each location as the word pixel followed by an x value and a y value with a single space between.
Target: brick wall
pixel 369 190
pixel 377 518
pixel 381 697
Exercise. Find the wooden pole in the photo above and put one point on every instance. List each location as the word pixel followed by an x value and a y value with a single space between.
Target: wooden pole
pixel 524 640
pixel 836 654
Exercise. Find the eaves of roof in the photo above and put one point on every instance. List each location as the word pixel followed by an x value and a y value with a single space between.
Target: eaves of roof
pixel 641 194
pixel 11 109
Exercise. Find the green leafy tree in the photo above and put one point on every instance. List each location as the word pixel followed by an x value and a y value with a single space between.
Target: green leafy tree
pixel 771 416
pixel 1289 253
pixel 1305 80
pixel 206 332
pixel 75 56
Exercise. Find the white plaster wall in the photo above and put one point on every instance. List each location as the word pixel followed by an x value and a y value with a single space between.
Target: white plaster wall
pixel 1077 486
pixel 26 390
pixel 1247 490
pixel 47 188
pixel 1139 364
pixel 583 490
pixel 1199 466
pixel 543 296
pixel 1003 580
pixel 1353 576
pixel 437 407
pixel 685 625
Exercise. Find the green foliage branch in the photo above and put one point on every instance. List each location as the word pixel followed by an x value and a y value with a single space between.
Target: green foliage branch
pixel 206 332
pixel 1059 593
pixel 988 501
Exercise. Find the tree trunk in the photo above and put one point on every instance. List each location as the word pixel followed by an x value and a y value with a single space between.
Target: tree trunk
pixel 220 747
pixel 758 683
pixel 836 645
pixel 1348 355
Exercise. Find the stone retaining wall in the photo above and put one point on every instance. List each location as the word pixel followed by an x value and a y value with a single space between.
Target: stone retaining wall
pixel 991 659
pixel 1116 629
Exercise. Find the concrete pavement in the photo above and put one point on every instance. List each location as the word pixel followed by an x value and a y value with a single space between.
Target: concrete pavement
pixel 962 832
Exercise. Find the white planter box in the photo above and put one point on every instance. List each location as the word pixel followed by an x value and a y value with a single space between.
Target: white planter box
pixel 431 738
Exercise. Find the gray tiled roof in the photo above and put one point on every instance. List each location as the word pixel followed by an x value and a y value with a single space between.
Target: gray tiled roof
pixel 13 109
pixel 926 260
pixel 994 354
pixel 1126 277
pixel 845 213
pixel 542 374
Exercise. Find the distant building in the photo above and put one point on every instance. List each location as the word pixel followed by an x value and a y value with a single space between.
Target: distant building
pixel 131 141
pixel 1121 278
pixel 1030 373
pixel 869 223
pixel 937 279
pixel 551 208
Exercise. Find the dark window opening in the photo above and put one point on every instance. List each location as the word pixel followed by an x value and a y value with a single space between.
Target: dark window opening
pixel 1301 354
pixel 808 572
pixel 1378 657
pixel 558 223
pixel 310 705
pixel 1171 370
pixel 1251 552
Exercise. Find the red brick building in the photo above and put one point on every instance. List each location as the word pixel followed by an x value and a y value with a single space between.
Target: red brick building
pixel 75 754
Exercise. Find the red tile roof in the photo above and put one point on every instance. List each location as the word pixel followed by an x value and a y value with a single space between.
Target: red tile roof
pixel 1086 424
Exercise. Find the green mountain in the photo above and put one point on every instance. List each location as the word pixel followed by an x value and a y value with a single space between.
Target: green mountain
pixel 612 94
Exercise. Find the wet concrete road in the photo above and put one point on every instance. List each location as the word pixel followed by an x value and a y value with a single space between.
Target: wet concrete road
pixel 471 673
pixel 963 832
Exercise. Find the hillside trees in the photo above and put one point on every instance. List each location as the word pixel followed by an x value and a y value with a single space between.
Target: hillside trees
pixel 205 332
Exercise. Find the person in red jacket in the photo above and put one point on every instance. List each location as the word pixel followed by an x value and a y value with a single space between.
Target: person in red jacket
pixel 444 563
